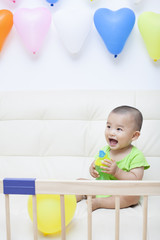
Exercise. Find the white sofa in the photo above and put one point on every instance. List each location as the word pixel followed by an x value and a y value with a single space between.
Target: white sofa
pixel 55 135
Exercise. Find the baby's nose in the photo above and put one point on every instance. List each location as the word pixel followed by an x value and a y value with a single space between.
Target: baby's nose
pixel 112 132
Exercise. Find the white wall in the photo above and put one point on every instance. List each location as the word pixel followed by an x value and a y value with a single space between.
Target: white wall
pixel 93 68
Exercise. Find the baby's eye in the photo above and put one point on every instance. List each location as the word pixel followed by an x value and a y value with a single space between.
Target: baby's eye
pixel 108 126
pixel 119 129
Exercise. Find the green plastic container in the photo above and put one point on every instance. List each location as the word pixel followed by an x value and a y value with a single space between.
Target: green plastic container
pixel 102 175
pixel 98 164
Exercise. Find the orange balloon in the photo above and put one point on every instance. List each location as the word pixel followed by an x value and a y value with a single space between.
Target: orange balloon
pixel 6 23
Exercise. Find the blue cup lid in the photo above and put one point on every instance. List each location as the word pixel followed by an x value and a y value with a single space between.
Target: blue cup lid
pixel 101 154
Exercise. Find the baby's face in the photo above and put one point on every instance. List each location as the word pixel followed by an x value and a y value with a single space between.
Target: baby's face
pixel 119 130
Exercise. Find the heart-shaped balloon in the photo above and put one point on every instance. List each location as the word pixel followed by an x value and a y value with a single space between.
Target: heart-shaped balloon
pixel 52 2
pixel 114 27
pixel 11 3
pixel 32 26
pixel 149 27
pixel 6 23
pixel 73 26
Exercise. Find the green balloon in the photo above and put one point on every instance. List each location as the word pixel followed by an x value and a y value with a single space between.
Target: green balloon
pixel 149 27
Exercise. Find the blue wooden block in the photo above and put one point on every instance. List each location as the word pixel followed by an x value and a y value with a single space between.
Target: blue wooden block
pixel 24 186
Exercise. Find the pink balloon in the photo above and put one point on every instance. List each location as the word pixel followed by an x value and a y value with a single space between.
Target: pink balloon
pixel 32 26
pixel 11 3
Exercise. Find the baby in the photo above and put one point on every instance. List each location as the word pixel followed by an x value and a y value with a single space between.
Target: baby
pixel 126 161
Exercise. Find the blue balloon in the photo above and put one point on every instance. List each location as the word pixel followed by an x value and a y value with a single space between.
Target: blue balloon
pixel 114 27
pixel 52 2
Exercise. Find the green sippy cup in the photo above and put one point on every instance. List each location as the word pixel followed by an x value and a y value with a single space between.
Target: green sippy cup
pixel 98 164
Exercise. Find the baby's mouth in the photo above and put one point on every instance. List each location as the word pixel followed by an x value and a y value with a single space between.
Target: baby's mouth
pixel 113 142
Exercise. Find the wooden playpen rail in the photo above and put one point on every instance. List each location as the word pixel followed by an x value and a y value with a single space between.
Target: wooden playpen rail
pixel 89 188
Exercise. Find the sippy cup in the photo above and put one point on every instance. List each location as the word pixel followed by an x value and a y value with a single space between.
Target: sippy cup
pixel 98 164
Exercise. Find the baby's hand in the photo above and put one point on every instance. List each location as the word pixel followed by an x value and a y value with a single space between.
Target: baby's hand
pixel 93 171
pixel 111 166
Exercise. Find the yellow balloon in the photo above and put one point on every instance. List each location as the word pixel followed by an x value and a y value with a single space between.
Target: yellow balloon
pixel 48 212
pixel 149 27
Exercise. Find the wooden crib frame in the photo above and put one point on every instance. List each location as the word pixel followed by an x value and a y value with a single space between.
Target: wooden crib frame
pixel 89 188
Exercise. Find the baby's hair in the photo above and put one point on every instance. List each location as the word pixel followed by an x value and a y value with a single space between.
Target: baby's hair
pixel 135 113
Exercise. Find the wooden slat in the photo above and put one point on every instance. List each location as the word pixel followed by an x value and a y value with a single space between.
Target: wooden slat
pixel 1 186
pixel 63 228
pixel 89 206
pixel 85 187
pixel 35 231
pixel 145 215
pixel 8 224
pixel 117 208
pixel 89 188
